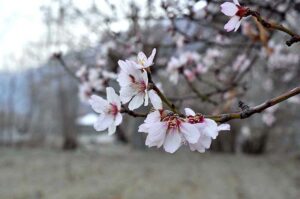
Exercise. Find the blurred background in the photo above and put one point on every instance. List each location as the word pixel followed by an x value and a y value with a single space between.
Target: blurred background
pixel 55 53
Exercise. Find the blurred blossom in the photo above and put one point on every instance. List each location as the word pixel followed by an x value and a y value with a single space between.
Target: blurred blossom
pixel 241 63
pixel 268 84
pixel 268 116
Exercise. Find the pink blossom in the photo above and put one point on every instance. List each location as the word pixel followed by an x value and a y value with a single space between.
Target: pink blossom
pixel 191 75
pixel 236 12
pixel 109 110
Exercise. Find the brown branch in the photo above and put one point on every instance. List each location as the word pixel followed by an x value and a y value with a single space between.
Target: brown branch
pixel 132 113
pixel 269 25
pixel 257 109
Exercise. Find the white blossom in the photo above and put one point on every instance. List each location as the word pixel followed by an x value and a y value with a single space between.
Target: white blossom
pixel 109 110
pixel 134 87
pixel 169 131
pixel 208 129
pixel 236 12
pixel 144 62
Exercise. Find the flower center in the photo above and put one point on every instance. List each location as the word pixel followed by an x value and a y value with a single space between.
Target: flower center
pixel 173 121
pixel 241 12
pixel 113 109
pixel 195 119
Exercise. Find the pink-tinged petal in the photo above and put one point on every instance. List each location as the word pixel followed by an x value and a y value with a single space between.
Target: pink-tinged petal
pixel 103 122
pixel 229 9
pixel 189 112
pixel 173 141
pixel 151 58
pixel 238 25
pixel 224 127
pixel 190 132
pixel 136 101
pixel 118 119
pixel 197 147
pixel 230 26
pixel 112 129
pixel 155 100
pixel 98 104
pixel 236 2
pixel 112 97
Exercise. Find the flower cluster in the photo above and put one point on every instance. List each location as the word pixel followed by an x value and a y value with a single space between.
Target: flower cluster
pixel 188 64
pixel 92 81
pixel 163 127
pixel 171 130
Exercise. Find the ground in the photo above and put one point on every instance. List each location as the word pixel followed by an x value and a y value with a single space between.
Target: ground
pixel 118 172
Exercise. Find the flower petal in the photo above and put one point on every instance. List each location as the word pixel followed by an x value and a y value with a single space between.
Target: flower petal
pixel 103 122
pixel 236 2
pixel 231 24
pixel 136 101
pixel 155 100
pixel 118 119
pixel 229 9
pixel 98 104
pixel 172 141
pixel 149 61
pixel 112 129
pixel 189 112
pixel 190 132
pixel 112 97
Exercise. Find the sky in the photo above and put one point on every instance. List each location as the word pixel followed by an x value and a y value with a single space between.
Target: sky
pixel 20 23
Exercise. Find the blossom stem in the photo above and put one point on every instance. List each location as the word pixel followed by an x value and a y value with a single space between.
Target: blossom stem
pixel 161 95
pixel 132 113
pixel 256 109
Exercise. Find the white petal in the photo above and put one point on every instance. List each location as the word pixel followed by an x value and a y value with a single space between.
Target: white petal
pixel 189 112
pixel 142 57
pixel 211 128
pixel 153 117
pixel 236 2
pixel 123 79
pixel 146 98
pixel 172 141
pixel 103 122
pixel 143 128
pixel 156 134
pixel 224 127
pixel 205 141
pixel 151 58
pixel 118 119
pixel 155 100
pixel 136 101
pixel 145 78
pixel 112 97
pixel 190 132
pixel 98 103
pixel 230 26
pixel 112 129
pixel 238 25
pixel 229 9
pixel 126 93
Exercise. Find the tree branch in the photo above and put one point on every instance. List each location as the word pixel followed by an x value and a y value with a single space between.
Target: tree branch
pixel 257 109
